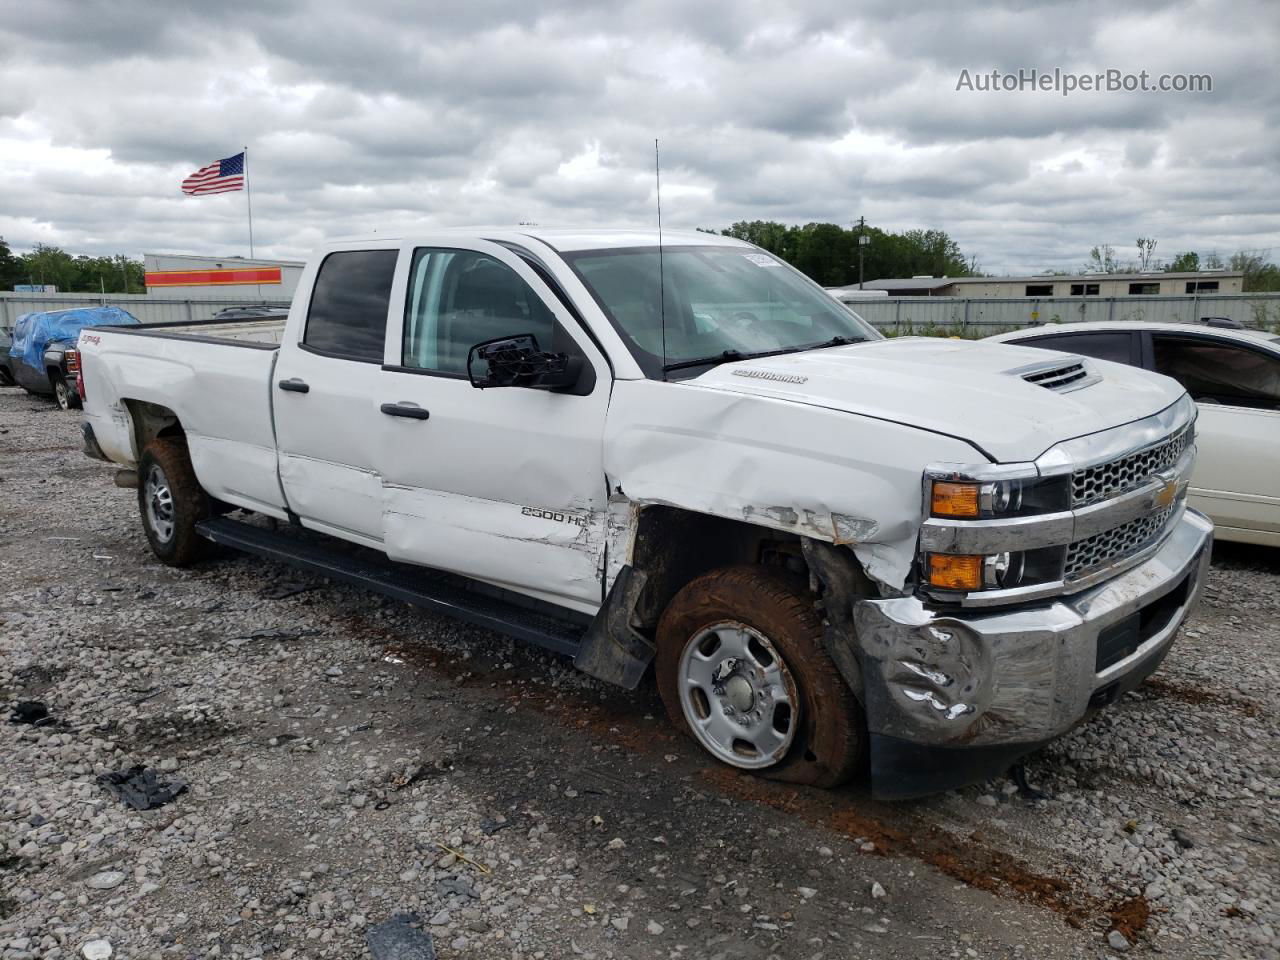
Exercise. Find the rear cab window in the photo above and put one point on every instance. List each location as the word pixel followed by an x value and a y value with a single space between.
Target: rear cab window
pixel 347 316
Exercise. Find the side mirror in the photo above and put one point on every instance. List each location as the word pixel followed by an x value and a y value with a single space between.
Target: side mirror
pixel 518 362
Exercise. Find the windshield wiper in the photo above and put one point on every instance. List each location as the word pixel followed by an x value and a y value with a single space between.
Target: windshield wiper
pixel 728 356
pixel 725 356
pixel 731 355
pixel 835 342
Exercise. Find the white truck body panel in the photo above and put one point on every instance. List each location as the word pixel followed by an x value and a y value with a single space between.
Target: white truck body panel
pixel 223 393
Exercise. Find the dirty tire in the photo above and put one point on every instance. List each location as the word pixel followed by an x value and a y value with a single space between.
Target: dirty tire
pixel 65 394
pixel 829 746
pixel 189 503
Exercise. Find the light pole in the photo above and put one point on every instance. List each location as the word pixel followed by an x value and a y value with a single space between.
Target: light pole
pixel 863 240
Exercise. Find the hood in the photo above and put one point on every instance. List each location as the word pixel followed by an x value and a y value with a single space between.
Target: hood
pixel 974 390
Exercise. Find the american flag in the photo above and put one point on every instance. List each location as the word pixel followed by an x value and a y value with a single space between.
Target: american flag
pixel 221 176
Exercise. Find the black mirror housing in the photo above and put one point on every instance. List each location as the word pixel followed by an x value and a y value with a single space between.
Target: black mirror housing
pixel 519 362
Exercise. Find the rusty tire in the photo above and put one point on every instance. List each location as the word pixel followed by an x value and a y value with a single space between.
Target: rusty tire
pixel 829 742
pixel 171 502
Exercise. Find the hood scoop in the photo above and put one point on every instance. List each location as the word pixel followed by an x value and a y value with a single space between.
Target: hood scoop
pixel 1060 377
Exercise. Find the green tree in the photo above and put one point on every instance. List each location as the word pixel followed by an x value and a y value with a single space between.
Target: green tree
pixel 828 252
pixel 1102 259
pixel 1260 276
pixel 82 274
pixel 1188 262
pixel 10 267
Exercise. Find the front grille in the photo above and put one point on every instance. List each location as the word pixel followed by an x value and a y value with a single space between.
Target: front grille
pixel 1058 377
pixel 1116 544
pixel 1133 470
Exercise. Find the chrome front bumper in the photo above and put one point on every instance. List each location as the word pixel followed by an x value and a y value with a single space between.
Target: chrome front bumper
pixel 974 679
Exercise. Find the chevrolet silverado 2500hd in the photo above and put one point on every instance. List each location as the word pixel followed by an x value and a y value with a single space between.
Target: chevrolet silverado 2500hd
pixel 936 553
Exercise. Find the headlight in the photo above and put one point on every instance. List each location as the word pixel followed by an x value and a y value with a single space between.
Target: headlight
pixel 975 514
pixel 992 499
pixel 997 571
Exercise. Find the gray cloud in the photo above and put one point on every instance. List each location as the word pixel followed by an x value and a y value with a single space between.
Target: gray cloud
pixel 386 116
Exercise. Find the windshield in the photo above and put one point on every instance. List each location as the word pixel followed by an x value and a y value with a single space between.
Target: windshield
pixel 717 299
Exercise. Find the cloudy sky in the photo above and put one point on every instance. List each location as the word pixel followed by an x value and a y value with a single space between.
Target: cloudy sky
pixel 379 115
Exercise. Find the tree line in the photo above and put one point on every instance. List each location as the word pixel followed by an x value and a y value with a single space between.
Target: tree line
pixel 828 252
pixel 70 274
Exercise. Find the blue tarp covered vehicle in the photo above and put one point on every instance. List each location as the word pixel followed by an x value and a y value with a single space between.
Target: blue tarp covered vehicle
pixel 35 331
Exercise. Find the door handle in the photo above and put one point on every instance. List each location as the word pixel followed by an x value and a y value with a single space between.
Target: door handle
pixel 294 385
pixel 412 411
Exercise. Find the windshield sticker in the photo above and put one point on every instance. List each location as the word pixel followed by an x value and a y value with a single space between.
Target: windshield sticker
pixel 761 260
pixel 770 375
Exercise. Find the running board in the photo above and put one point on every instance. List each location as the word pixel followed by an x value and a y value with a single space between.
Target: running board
pixel 423 587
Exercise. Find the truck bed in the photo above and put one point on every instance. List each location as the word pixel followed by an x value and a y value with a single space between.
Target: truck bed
pixel 213 377
pixel 248 331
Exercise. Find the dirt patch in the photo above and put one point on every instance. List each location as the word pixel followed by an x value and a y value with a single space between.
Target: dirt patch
pixel 1131 916
pixel 1186 693
pixel 968 860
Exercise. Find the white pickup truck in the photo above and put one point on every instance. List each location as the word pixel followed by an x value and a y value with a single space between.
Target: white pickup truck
pixel 930 556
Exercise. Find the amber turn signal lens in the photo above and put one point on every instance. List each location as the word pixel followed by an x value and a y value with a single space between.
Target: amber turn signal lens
pixel 954 499
pixel 955 571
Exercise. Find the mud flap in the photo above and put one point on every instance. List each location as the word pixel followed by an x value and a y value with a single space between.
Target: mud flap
pixel 612 649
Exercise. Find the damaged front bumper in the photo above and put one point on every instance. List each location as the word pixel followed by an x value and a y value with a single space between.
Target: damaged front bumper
pixel 953 697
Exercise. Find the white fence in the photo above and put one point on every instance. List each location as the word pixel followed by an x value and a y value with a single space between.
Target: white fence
pixel 146 308
pixel 980 317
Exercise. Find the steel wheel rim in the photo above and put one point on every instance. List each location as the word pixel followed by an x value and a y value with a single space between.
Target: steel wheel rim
pixel 60 391
pixel 159 501
pixel 738 696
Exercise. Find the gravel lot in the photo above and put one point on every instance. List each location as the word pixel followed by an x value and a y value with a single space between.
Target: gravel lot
pixel 350 759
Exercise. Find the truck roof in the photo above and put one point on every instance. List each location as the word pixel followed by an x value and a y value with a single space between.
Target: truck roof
pixel 566 239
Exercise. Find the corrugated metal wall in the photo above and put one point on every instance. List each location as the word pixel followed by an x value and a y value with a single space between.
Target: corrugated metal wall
pixel 981 317
pixel 147 308
pixel 904 315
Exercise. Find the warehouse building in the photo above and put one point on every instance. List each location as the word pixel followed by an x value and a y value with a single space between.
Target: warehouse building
pixel 234 278
pixel 1204 282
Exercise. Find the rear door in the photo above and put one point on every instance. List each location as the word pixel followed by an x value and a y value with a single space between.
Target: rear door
pixel 1237 388
pixel 503 484
pixel 325 396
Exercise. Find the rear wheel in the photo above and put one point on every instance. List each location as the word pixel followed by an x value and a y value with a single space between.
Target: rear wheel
pixel 741 669
pixel 171 502
pixel 65 394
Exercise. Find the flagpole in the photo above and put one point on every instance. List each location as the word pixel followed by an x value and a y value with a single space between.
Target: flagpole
pixel 248 199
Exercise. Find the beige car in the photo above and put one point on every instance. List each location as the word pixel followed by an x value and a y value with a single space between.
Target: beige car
pixel 1234 377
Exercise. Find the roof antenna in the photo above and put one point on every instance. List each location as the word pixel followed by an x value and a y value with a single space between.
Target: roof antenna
pixel 662 280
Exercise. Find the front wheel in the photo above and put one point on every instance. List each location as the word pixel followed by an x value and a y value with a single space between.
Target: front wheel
pixel 742 670
pixel 171 502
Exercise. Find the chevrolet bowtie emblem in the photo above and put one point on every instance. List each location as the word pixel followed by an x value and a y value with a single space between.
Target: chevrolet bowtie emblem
pixel 1166 494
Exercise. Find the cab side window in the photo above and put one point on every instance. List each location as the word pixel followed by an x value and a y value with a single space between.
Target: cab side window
pixel 1102 346
pixel 1216 372
pixel 347 317
pixel 458 298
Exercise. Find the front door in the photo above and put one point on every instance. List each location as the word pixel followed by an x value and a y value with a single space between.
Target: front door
pixel 503 484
